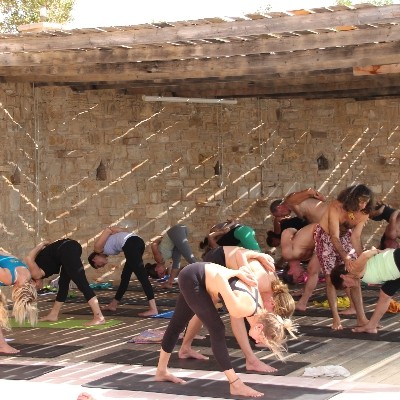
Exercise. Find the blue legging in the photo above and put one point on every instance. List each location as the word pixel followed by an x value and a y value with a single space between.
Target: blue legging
pixel 133 250
pixel 194 299
pixel 179 237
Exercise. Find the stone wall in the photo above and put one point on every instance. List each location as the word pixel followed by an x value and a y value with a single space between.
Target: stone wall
pixel 159 161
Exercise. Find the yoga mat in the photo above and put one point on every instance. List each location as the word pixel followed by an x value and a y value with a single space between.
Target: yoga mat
pixel 293 346
pixel 132 302
pixel 67 324
pixel 324 331
pixel 207 387
pixel 24 372
pixel 121 312
pixel 166 315
pixel 42 351
pixel 150 359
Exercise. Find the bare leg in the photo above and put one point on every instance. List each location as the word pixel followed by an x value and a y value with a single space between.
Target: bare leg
pixel 238 387
pixel 5 347
pixel 380 309
pixel 53 314
pixel 98 318
pixel 186 350
pixel 313 270
pixel 151 311
pixel 252 362
pixel 352 309
pixel 173 274
pixel 162 373
pixel 357 301
pixel 332 300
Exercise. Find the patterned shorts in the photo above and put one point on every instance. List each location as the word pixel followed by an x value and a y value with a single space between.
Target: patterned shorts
pixel 327 255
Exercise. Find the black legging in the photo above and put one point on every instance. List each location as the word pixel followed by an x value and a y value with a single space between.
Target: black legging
pixel 69 253
pixel 133 250
pixel 194 299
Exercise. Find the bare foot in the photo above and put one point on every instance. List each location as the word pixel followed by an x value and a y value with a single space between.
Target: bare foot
pixel 7 349
pixel 300 306
pixel 258 366
pixel 95 321
pixel 51 318
pixel 109 308
pixel 167 377
pixel 190 353
pixel 167 285
pixel 239 388
pixel 85 396
pixel 148 313
pixel 348 311
pixel 365 329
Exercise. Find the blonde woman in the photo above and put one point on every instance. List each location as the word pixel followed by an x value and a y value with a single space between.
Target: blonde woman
pixel 274 293
pixel 13 272
pixel 202 285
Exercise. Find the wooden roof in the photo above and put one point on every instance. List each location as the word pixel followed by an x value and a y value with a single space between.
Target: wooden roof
pixel 333 52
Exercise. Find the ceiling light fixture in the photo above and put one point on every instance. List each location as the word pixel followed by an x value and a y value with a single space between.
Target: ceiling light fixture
pixel 188 100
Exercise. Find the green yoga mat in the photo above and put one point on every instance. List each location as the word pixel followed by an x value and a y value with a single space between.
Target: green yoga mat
pixel 66 324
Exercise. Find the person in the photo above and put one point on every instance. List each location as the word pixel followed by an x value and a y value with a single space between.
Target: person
pixel 299 245
pixel 62 257
pixel 13 272
pixel 309 205
pixel 201 285
pixel 338 239
pixel 112 241
pixel 173 245
pixel 389 239
pixel 372 267
pixel 275 295
pixel 230 233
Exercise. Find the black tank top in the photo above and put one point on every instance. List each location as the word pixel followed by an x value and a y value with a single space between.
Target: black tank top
pixel 232 284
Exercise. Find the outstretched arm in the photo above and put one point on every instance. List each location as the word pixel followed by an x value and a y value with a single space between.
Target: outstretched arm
pixel 100 242
pixel 295 198
pixel 238 305
pixel 358 266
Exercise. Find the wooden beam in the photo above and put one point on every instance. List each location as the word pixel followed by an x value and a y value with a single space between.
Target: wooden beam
pixel 213 69
pixel 310 22
pixel 376 70
pixel 199 50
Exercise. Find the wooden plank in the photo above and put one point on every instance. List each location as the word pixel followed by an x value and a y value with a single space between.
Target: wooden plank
pixel 386 53
pixel 198 50
pixel 389 14
pixel 376 70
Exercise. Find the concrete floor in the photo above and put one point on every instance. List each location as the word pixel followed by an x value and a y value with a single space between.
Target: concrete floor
pixel 373 364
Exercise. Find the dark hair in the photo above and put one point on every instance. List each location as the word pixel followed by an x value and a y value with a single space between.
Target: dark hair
pixel 90 259
pixel 350 196
pixel 151 270
pixel 336 279
pixel 204 243
pixel 271 236
pixel 274 205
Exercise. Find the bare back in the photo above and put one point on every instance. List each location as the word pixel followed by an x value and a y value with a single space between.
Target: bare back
pixel 311 209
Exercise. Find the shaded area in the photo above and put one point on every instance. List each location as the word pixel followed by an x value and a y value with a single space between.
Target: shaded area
pixel 211 388
pixel 25 372
pixel 150 358
pixel 42 351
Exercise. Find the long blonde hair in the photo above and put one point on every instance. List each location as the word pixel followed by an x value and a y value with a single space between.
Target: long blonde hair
pixel 25 303
pixel 4 321
pixel 284 304
pixel 274 332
